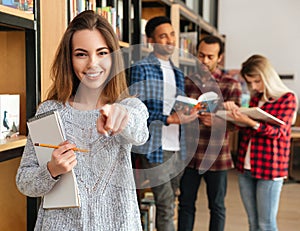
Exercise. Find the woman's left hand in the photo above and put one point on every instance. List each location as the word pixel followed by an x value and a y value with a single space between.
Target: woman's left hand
pixel 113 119
pixel 240 117
pixel 230 105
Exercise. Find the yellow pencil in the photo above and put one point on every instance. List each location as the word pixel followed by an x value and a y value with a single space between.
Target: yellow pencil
pixel 56 146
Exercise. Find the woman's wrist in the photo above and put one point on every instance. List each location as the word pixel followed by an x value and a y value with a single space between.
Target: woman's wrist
pixel 51 171
pixel 256 126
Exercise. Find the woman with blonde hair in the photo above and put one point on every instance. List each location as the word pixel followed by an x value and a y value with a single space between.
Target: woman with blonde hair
pixel 264 148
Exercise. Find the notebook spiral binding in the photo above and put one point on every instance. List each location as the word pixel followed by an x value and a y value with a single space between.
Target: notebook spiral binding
pixel 42 115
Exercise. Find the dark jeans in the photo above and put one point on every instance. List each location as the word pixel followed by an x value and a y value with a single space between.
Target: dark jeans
pixel 216 185
pixel 164 193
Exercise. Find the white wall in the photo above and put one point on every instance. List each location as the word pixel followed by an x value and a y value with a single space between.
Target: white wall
pixel 267 27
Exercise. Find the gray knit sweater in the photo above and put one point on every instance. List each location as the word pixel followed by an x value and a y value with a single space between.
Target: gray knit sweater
pixel 104 175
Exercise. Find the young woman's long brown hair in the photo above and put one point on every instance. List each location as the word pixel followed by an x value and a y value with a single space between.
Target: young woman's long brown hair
pixel 65 82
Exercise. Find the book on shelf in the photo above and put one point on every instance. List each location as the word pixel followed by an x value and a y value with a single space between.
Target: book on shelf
pixel 207 102
pixel 23 5
pixel 254 113
pixel 9 115
pixel 188 44
pixel 47 128
pixel 110 14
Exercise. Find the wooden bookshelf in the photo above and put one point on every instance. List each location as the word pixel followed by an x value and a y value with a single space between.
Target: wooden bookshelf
pixel 18 75
pixel 12 81
pixel 124 44
pixel 185 22
pixel 187 61
pixel 12 143
pixel 13 69
pixel 16 12
pixel 12 202
pixel 53 22
pixel 17 57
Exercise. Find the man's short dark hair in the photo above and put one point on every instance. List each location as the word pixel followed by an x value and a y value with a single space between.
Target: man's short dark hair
pixel 211 39
pixel 155 22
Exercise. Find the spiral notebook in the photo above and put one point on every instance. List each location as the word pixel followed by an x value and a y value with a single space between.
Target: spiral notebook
pixel 47 128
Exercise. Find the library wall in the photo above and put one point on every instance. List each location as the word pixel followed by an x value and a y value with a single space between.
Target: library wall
pixel 252 27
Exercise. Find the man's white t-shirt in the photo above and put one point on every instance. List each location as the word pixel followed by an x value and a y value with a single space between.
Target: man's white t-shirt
pixel 170 133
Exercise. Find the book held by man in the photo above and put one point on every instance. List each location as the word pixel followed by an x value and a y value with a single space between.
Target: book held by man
pixel 47 128
pixel 255 113
pixel 207 102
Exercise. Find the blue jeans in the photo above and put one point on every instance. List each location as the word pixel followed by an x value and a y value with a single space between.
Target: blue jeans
pixel 216 185
pixel 261 200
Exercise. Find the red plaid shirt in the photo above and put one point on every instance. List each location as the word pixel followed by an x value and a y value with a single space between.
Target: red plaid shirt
pixel 212 150
pixel 270 144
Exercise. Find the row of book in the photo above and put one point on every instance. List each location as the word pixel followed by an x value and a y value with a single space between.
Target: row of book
pixel 188 40
pixel 187 44
pixel 24 5
pixel 108 12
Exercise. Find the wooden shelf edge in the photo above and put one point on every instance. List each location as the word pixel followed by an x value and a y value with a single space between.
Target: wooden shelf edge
pixel 12 143
pixel 123 44
pixel 295 134
pixel 16 12
pixel 167 2
pixel 188 13
pixel 187 61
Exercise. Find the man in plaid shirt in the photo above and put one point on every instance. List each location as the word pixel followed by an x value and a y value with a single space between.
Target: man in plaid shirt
pixel 156 81
pixel 212 158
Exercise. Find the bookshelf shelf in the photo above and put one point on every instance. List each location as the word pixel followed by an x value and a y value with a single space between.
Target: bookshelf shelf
pixel 188 14
pixel 124 44
pixel 187 61
pixel 16 12
pixel 186 25
pixel 18 58
pixel 10 21
pixel 12 143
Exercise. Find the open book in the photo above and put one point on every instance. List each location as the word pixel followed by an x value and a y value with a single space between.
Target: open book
pixel 255 113
pixel 47 129
pixel 207 102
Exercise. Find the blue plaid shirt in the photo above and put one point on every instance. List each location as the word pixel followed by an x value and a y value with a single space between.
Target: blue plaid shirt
pixel 146 83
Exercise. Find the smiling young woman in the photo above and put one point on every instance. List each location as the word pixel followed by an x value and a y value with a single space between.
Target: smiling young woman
pixel 89 92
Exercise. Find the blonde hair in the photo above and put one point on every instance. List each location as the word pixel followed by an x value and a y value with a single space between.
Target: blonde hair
pixel 65 81
pixel 274 87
